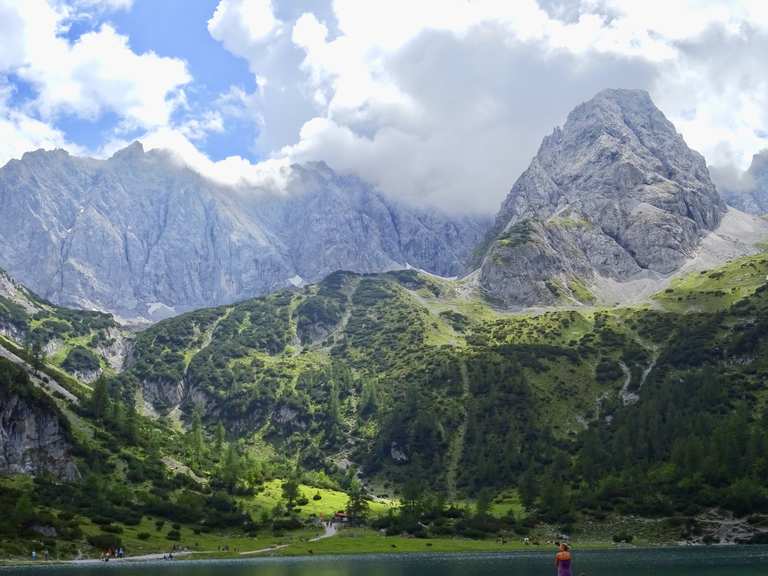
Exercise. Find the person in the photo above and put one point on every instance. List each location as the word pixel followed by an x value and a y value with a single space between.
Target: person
pixel 563 561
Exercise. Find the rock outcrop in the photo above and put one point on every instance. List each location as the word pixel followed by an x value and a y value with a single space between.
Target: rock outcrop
pixel 752 196
pixel 33 437
pixel 143 236
pixel 16 303
pixel 615 192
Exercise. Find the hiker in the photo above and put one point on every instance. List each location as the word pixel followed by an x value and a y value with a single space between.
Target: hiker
pixel 34 555
pixel 563 560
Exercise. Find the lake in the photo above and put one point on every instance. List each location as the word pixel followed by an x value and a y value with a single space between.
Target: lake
pixel 710 561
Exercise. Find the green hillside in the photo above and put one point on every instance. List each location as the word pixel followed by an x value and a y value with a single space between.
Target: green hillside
pixel 401 375
pixel 77 341
pixel 447 416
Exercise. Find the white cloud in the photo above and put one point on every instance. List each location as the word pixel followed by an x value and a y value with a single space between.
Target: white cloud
pixel 199 128
pixel 234 171
pixel 242 26
pixel 107 4
pixel 80 6
pixel 716 93
pixel 445 101
pixel 100 72
pixel 20 133
pixel 440 102
pixel 97 73
pixel 25 27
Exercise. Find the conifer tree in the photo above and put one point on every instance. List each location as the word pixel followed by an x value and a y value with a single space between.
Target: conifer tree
pixel 196 439
pixel 100 403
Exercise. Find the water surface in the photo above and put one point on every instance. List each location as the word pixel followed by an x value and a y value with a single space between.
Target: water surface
pixel 711 561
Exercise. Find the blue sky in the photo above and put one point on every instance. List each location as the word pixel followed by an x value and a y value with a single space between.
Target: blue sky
pixel 436 102
pixel 176 29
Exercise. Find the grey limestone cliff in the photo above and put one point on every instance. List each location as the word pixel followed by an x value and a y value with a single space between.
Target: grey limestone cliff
pixel 143 236
pixel 614 192
pixel 33 437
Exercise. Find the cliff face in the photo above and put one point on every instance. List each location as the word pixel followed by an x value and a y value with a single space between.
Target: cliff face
pixel 753 196
pixel 614 192
pixel 143 236
pixel 33 437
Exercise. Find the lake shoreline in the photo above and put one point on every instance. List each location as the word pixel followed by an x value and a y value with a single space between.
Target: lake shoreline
pixel 275 553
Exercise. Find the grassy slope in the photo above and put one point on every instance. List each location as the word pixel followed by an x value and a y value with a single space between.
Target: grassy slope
pixel 40 322
pixel 569 391
pixel 417 313
pixel 715 290
pixel 331 501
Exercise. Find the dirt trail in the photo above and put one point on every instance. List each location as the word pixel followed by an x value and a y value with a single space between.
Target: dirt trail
pixel 263 550
pixel 329 531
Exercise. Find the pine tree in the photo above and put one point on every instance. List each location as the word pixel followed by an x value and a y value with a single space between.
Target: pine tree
pixel 220 438
pixel 100 403
pixel 23 512
pixel 196 439
pixel 132 424
pixel 412 494
pixel 483 504
pixel 291 491
pixel 555 500
pixel 357 507
pixel 116 413
pixel 131 415
pixel 369 400
pixel 333 420
pixel 231 468
pixel 38 355
pixel 528 488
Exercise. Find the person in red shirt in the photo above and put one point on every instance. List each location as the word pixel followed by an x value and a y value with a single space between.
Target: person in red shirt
pixel 563 561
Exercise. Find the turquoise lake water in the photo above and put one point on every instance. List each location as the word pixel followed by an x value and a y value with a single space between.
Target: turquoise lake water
pixel 711 561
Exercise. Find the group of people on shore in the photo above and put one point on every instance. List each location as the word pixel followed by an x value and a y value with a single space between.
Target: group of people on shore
pixel 118 552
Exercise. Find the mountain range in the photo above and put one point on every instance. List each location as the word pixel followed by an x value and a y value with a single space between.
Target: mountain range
pixel 143 236
pixel 606 356
pixel 612 205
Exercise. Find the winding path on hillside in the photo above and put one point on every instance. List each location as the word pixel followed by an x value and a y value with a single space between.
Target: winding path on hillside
pixel 329 530
pixel 264 550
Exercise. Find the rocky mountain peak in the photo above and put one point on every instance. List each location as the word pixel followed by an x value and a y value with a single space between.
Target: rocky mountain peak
pixel 131 152
pixel 614 192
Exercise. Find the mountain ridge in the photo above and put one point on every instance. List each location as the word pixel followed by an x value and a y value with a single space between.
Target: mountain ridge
pixel 141 235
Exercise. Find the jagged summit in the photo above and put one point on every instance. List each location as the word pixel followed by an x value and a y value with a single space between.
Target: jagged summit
pixel 133 150
pixel 614 192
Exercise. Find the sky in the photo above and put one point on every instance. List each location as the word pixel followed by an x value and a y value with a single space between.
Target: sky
pixel 436 102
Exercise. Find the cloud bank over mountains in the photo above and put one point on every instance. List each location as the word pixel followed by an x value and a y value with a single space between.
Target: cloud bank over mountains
pixel 440 102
